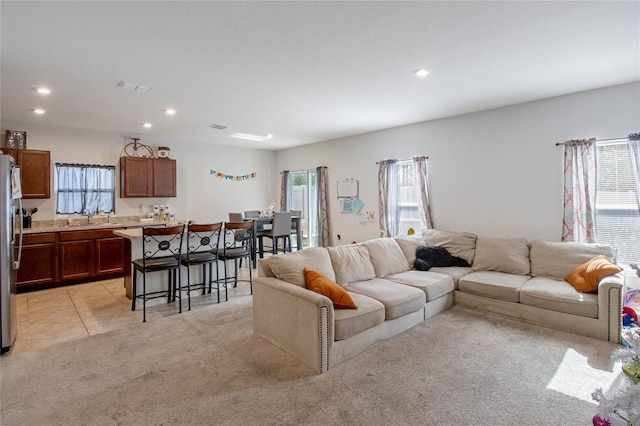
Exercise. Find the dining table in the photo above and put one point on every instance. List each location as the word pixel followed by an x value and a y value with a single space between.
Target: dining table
pixel 258 225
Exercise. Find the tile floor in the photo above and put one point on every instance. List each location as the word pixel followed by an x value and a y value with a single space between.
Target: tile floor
pixel 49 317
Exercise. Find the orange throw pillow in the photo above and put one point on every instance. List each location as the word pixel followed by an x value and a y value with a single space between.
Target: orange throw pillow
pixel 585 278
pixel 323 285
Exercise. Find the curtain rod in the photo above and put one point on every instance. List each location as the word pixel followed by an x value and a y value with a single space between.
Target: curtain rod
pixel 84 165
pixel 407 159
pixel 599 140
pixel 302 170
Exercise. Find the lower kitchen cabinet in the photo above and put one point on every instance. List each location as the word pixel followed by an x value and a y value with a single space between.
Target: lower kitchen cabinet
pixel 109 256
pixel 38 261
pixel 69 257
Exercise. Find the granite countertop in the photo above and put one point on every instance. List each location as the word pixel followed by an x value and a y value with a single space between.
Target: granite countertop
pixel 80 224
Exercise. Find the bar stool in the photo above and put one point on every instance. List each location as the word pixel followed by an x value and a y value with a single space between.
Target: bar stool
pixel 161 251
pixel 202 249
pixel 234 248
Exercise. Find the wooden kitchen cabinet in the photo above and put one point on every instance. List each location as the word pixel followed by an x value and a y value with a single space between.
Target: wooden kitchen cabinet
pixel 164 177
pixel 109 256
pixel 35 171
pixel 85 255
pixel 38 262
pixel 54 259
pixel 147 177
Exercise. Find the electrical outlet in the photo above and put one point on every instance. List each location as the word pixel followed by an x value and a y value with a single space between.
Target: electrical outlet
pixel 339 237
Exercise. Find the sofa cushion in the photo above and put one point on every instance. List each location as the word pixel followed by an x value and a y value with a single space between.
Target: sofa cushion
pixel 428 257
pixel 585 278
pixel 349 322
pixel 290 266
pixel 461 244
pixel 351 263
pixel 557 259
pixel 386 256
pixel 398 300
pixel 495 285
pixel 509 255
pixel 455 272
pixel 323 285
pixel 408 244
pixel 433 284
pixel 559 296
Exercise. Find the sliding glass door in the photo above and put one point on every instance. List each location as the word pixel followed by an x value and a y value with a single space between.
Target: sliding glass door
pixel 303 190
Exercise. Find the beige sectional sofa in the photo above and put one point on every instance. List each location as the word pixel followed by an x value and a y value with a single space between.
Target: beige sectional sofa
pixel 511 277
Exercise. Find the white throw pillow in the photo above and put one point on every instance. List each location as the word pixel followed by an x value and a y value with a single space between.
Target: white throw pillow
pixel 386 256
pixel 351 263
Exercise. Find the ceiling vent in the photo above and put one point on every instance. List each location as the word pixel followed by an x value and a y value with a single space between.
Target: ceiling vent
pixel 218 126
pixel 133 87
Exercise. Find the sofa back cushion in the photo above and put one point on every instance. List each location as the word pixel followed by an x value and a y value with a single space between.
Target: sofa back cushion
pixel 409 244
pixel 460 244
pixel 351 263
pixel 557 259
pixel 509 255
pixel 386 256
pixel 290 266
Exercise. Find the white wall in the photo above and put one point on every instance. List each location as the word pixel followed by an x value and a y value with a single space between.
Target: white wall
pixel 201 196
pixel 495 173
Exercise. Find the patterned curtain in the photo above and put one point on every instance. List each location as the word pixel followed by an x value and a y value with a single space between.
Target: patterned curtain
pixel 388 198
pixel 579 222
pixel 323 231
pixel 422 184
pixel 634 151
pixel 285 196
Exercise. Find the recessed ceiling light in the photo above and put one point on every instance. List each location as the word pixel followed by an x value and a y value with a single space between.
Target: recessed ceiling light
pixel 43 90
pixel 250 137
pixel 421 72
pixel 39 111
pixel 170 111
pixel 147 125
pixel 269 136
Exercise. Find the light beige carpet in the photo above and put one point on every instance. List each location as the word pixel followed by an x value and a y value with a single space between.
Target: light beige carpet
pixel 205 367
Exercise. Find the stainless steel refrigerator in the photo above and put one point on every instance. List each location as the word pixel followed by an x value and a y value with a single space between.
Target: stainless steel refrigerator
pixel 10 247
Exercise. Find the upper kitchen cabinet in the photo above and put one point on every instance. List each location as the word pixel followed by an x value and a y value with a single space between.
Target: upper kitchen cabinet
pixel 147 177
pixel 35 171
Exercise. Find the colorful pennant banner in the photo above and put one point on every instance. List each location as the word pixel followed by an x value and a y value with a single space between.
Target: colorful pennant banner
pixel 225 176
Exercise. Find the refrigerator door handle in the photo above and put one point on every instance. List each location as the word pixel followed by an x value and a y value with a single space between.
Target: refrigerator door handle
pixel 16 264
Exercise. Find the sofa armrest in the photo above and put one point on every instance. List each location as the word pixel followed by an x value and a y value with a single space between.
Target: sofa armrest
pixel 297 320
pixel 610 304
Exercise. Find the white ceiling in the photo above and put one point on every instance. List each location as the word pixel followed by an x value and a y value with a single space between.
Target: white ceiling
pixel 302 71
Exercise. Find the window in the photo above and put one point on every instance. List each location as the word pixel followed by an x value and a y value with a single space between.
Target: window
pixel 617 214
pixel 408 207
pixel 84 188
pixel 303 197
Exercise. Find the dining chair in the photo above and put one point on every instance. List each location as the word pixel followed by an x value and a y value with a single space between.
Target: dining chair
pixel 202 250
pixel 161 251
pixel 281 229
pixel 294 226
pixel 236 249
